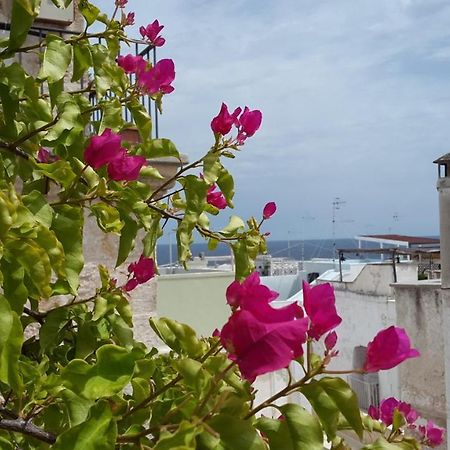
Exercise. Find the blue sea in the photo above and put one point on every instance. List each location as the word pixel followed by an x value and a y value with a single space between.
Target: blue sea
pixel 313 248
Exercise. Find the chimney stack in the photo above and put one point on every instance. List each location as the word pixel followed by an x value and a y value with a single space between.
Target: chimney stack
pixel 443 187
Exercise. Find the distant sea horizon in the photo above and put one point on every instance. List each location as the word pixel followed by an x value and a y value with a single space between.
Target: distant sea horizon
pixel 293 249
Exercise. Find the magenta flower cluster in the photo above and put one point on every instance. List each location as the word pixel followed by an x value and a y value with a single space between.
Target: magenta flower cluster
pixel 258 337
pixel 261 338
pixel 156 79
pixel 140 272
pixel 106 150
pixel 151 33
pixel 247 122
pixel 431 435
pixel 215 198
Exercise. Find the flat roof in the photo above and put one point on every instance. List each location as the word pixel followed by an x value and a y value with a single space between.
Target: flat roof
pixel 398 238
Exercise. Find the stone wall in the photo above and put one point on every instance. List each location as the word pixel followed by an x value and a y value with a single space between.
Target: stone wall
pixel 422 381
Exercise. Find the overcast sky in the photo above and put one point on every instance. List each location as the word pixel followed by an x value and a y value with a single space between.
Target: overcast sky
pixel 355 98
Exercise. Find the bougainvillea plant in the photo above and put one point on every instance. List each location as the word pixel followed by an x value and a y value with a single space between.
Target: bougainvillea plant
pixel 72 376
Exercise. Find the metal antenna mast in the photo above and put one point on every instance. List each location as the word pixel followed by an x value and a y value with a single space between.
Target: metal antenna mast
pixel 337 202
pixel 304 219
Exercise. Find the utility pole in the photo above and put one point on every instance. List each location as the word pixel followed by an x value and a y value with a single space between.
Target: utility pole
pixel 336 205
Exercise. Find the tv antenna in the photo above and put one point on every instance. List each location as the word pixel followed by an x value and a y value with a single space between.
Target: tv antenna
pixel 336 205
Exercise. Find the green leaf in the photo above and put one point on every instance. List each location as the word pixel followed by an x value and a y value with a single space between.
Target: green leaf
pixel 299 430
pixel 14 288
pixel 179 337
pixel 111 373
pixel 77 407
pixel 330 397
pixel 150 172
pixel 108 218
pixel 157 148
pixel 68 129
pixel 226 186
pixel 59 171
pixel 86 340
pixel 382 444
pixel 127 239
pixel 195 192
pixel 398 420
pixel 68 227
pixel 8 209
pixel 245 251
pixel 98 432
pixel 82 60
pixel 51 332
pixel 57 57
pixel 141 119
pixel 235 224
pixel 5 445
pixel 211 167
pixel 237 434
pixel 194 375
pixel 150 239
pixel 47 240
pixel 35 262
pixel 23 15
pixel 112 115
pixel 39 207
pixel 89 11
pixel 11 339
pixel 182 439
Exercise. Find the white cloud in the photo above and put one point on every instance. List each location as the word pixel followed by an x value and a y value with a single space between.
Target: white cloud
pixel 355 97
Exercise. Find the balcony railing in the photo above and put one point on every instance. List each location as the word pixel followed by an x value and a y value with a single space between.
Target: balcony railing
pixel 367 391
pixel 148 52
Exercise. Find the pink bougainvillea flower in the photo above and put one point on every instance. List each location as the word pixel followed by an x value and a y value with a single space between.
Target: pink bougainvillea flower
pixel 158 78
pixel 126 167
pixel 121 3
pixel 432 434
pixel 216 333
pixel 269 210
pixel 388 349
pixel 387 408
pixel 409 413
pixel 151 32
pixel 250 121
pixel 216 198
pixel 128 19
pixel 224 121
pixel 103 149
pixel 132 64
pixel 331 340
pixel 141 272
pixel 319 304
pixel 45 156
pixel 237 292
pixel 259 347
pixel 374 412
pixel 252 296
pixel 385 412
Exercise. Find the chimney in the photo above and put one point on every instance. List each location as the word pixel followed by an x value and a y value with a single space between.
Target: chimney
pixel 443 187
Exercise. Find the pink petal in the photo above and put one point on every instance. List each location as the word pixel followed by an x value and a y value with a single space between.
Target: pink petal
pixel 259 347
pixel 269 210
pixel 103 149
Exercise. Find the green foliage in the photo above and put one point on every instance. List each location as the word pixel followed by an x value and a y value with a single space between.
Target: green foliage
pixel 297 430
pixel 72 375
pixel 330 398
pixel 11 338
pixel 98 432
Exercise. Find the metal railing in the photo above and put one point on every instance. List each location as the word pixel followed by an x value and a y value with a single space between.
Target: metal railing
pixel 367 391
pixel 148 52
